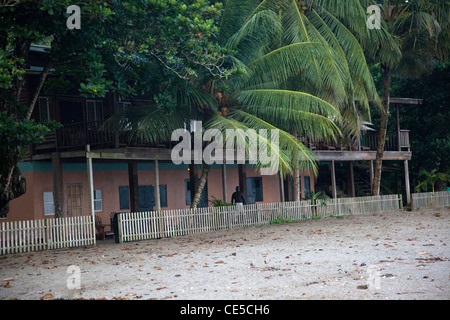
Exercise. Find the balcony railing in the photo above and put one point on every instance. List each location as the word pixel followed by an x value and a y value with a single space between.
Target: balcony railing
pixel 78 135
pixel 367 142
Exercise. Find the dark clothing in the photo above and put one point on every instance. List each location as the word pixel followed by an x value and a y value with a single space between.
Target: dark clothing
pixel 237 196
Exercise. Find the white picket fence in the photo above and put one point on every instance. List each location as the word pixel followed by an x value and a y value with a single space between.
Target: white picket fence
pixel 430 199
pixel 43 234
pixel 169 223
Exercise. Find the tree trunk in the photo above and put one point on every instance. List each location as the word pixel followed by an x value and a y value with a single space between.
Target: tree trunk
pixel 12 184
pixel 201 186
pixel 296 178
pixel 386 77
pixel 296 195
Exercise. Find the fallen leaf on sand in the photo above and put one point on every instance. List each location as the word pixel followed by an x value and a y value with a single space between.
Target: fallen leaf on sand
pixel 8 279
pixel 130 294
pixel 422 252
pixel 160 288
pixel 53 267
pixel 364 286
pixel 220 261
pixel 48 296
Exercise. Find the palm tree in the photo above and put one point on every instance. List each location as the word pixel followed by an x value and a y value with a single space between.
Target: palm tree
pixel 300 72
pixel 430 178
pixel 302 53
pixel 413 36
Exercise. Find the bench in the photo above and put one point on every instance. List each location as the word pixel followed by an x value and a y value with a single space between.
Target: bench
pixel 100 227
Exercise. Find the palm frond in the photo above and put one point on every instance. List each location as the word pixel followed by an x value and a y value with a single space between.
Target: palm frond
pixel 312 59
pixel 292 110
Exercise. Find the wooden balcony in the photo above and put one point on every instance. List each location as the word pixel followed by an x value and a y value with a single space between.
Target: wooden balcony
pixel 368 142
pixel 75 137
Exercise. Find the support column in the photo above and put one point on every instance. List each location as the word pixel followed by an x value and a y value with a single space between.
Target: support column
pixel 280 174
pixel 352 180
pixel 90 188
pixel 408 194
pixel 371 176
pixel 243 180
pixel 157 195
pixel 58 185
pixel 224 182
pixel 193 179
pixel 333 180
pixel 133 186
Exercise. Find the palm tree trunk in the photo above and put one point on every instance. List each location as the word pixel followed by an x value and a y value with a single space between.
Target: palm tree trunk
pixel 201 186
pixel 296 195
pixel 386 77
pixel 296 178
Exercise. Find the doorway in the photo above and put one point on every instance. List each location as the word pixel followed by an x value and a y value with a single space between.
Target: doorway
pixel 74 200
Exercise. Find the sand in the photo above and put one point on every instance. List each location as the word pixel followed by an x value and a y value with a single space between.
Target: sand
pixel 397 255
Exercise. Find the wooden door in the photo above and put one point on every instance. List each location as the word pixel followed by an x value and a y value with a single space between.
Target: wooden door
pixel 74 200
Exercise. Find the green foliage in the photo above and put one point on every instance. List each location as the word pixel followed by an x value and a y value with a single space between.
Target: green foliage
pixel 281 220
pixel 318 199
pixel 22 133
pixel 218 202
pixel 430 179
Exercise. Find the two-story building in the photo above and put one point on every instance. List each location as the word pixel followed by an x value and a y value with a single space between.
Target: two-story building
pixel 81 168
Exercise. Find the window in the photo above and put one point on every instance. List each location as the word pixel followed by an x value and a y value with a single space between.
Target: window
pixel 49 204
pixel 254 190
pixel 307 188
pixel 44 109
pixel 146 197
pixel 94 110
pixel 98 200
pixel 123 106
pixel 124 198
pixel 203 199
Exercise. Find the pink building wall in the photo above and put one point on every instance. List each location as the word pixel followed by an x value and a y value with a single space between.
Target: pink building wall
pixel 31 204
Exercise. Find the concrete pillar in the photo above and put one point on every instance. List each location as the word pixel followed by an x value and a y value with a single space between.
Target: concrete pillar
pixel 90 188
pixel 407 186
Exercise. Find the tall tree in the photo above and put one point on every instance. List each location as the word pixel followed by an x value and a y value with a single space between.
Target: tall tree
pixel 421 30
pixel 299 69
pixel 123 47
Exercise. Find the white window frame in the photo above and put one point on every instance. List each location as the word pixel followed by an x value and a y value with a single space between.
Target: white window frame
pixel 47 108
pixel 96 103
pixel 123 105
pixel 49 204
pixel 98 200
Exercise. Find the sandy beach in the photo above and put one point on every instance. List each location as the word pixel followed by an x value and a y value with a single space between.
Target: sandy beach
pixel 397 255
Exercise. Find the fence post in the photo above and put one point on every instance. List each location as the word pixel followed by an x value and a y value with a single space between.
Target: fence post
pixel 400 203
pixel 339 206
pixel 119 227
